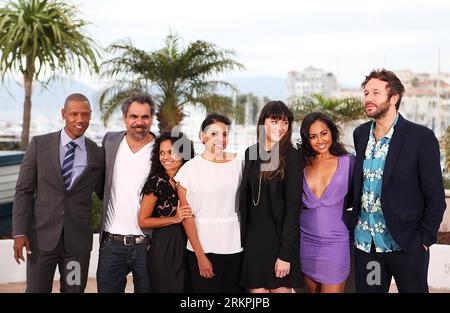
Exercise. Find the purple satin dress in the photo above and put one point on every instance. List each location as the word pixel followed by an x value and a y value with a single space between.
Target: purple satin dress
pixel 324 239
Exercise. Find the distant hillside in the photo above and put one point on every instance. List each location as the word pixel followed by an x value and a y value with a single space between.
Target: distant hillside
pixel 269 86
pixel 44 102
pixel 49 102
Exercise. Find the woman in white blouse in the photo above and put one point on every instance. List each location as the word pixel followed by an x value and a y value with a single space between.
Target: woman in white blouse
pixel 209 183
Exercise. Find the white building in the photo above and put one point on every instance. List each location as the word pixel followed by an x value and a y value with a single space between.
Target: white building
pixel 310 81
pixel 343 93
pixel 423 109
pixel 421 103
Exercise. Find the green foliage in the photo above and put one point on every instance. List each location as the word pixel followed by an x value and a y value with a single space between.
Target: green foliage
pixel 96 217
pixel 446 183
pixel 340 110
pixel 9 145
pixel 174 76
pixel 43 34
pixel 224 105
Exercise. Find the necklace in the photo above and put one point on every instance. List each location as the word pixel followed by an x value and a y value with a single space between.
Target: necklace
pixel 255 203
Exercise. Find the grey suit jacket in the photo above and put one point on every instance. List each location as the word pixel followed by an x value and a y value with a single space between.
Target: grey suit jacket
pixel 111 143
pixel 43 209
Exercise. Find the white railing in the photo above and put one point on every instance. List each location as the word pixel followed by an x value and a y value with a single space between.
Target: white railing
pixel 11 272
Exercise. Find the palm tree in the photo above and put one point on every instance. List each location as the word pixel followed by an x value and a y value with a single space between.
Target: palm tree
pixel 42 36
pixel 174 76
pixel 340 110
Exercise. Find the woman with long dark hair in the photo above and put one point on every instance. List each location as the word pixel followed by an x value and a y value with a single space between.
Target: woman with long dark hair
pixel 161 211
pixel 327 184
pixel 270 199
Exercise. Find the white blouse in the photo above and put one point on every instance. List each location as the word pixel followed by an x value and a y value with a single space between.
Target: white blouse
pixel 212 192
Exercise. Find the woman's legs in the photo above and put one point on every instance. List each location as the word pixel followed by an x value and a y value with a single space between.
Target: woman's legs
pixel 259 290
pixel 316 287
pixel 338 288
pixel 312 285
pixel 281 290
pixel 276 290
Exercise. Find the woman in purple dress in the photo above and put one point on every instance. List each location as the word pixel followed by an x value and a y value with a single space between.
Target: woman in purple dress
pixel 324 237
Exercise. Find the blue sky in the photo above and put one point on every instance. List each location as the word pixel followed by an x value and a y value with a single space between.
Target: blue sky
pixel 271 38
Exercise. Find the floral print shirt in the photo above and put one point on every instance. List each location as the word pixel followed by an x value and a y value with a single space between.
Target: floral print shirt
pixel 167 202
pixel 371 227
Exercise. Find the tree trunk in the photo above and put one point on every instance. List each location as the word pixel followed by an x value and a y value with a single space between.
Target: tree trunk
pixel 169 115
pixel 28 85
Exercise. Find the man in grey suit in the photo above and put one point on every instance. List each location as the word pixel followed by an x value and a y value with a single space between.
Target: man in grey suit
pixel 52 204
pixel 123 244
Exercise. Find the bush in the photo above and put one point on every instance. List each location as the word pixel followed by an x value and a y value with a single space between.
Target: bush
pixel 9 145
pixel 96 218
pixel 446 183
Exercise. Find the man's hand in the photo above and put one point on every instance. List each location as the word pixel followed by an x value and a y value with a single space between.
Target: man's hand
pixel 19 243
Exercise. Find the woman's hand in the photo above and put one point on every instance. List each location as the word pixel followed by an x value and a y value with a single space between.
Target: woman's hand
pixel 183 211
pixel 205 266
pixel 282 268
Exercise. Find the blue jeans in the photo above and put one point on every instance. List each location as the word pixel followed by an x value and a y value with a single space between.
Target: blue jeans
pixel 115 261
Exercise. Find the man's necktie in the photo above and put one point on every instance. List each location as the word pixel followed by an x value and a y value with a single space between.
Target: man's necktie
pixel 68 164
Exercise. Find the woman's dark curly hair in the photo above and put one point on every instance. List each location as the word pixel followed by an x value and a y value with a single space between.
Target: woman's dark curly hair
pixel 336 149
pixel 182 145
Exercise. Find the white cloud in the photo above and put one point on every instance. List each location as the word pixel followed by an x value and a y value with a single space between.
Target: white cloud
pixel 273 37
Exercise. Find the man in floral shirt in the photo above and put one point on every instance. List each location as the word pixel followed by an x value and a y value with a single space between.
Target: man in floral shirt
pixel 399 195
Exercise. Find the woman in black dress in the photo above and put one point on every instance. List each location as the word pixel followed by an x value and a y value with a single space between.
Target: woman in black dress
pixel 270 201
pixel 160 210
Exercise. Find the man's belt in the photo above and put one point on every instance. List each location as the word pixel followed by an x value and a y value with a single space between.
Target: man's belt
pixel 129 240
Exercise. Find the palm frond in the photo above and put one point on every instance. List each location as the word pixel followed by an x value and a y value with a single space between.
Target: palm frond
pixel 37 35
pixel 340 110
pixel 222 105
pixel 43 36
pixel 112 98
pixel 176 76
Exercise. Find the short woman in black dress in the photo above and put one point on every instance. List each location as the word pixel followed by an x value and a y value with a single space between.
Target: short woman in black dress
pixel 160 210
pixel 270 201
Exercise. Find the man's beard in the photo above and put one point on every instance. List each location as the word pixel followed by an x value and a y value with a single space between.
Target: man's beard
pixel 139 135
pixel 381 111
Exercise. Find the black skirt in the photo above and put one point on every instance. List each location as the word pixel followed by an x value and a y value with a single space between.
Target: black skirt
pixel 167 259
